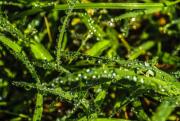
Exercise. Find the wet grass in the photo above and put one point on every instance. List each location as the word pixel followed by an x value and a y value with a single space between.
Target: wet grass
pixel 89 60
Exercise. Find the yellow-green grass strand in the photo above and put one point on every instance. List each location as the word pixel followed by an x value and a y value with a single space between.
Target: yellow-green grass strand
pixel 129 6
pixel 115 5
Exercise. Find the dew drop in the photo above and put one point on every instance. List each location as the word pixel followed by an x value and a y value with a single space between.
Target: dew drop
pixel 79 75
pixel 141 80
pixel 135 78
pixel 146 64
pixel 85 77
pixel 150 73
pixel 61 81
pixel 162 90
pixel 88 70
pixel 113 74
pixel 128 77
pixel 99 61
pixel 93 76
pixel 52 84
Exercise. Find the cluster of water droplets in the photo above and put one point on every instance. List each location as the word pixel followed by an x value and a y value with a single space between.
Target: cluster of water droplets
pixel 42 4
pixel 111 23
pixel 93 27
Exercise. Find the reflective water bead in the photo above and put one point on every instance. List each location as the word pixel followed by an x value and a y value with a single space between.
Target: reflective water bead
pixel 150 73
pixel 146 64
pixel 128 77
pixel 99 61
pixel 76 78
pixel 61 81
pixel 113 74
pixel 79 75
pixel 135 78
pixel 141 80
pixel 88 70
pixel 162 90
pixel 93 76
pixel 85 77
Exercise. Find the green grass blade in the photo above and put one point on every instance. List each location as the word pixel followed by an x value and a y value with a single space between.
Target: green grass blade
pixel 165 108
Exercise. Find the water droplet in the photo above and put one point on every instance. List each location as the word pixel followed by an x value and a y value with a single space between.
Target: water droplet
pixel 93 76
pixel 162 90
pixel 79 75
pixel 61 81
pixel 85 77
pixel 99 61
pixel 133 19
pixel 177 103
pixel 135 78
pixel 128 77
pixel 105 71
pixel 150 73
pixel 52 84
pixel 146 64
pixel 141 80
pixel 113 74
pixel 88 70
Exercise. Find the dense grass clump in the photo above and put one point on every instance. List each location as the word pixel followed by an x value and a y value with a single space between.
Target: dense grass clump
pixel 87 60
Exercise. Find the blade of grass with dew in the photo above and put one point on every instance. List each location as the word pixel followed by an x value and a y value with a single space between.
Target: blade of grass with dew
pixel 129 6
pixel 60 39
pixel 166 108
pixel 141 50
pixel 98 48
pixel 22 56
pixel 115 74
pixel 40 52
pixel 66 95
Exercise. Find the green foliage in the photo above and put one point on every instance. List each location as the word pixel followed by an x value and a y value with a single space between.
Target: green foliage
pixel 82 60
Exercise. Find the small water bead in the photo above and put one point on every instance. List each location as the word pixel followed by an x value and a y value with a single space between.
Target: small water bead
pixel 135 78
pixel 99 61
pixel 105 71
pixel 76 78
pixel 150 73
pixel 79 75
pixel 113 74
pixel 163 90
pixel 97 38
pixel 61 81
pixel 142 80
pixel 128 77
pixel 52 85
pixel 146 64
pixel 94 30
pixel 94 76
pixel 85 77
pixel 99 35
pixel 177 103
pixel 88 70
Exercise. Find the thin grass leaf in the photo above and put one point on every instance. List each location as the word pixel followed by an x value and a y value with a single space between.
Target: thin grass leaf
pixel 165 108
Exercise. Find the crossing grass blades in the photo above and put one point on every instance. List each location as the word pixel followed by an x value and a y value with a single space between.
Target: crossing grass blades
pixel 89 60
